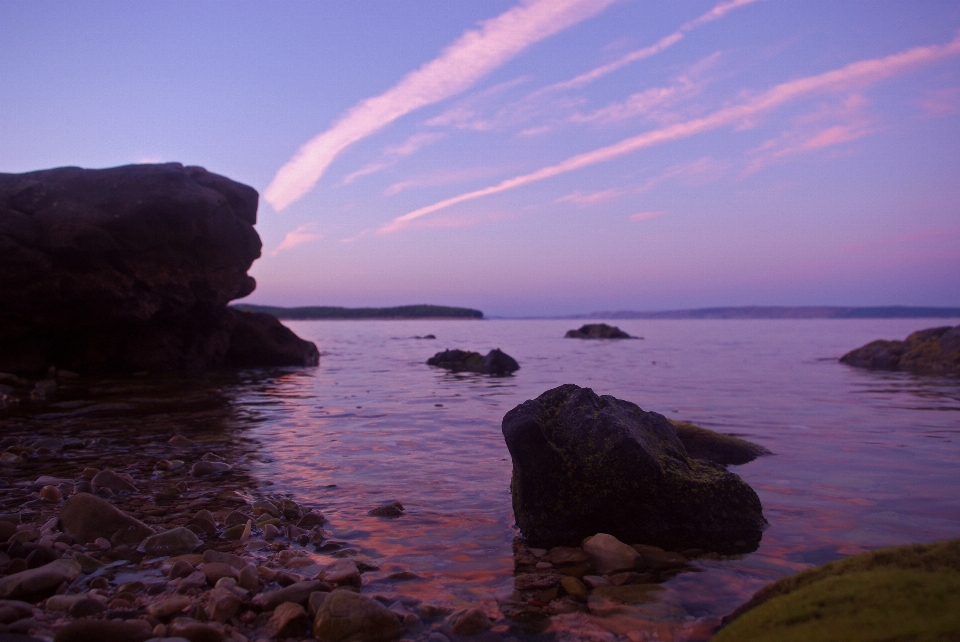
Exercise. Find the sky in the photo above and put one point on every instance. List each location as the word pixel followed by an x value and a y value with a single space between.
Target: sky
pixel 538 157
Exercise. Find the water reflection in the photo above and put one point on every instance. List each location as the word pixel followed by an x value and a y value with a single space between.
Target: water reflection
pixel 862 459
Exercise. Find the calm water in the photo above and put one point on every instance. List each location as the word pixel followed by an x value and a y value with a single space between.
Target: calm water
pixel 862 459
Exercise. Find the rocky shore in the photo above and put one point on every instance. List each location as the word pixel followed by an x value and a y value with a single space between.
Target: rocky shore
pixel 180 543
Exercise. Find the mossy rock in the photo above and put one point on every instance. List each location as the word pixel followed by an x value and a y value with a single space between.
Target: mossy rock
pixel 900 593
pixel 586 464
pixel 713 446
pixel 931 351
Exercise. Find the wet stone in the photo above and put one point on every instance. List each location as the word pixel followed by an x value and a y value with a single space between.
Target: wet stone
pixel 176 541
pixel 102 630
pixel 222 605
pixel 287 619
pixel 213 571
pixel 468 622
pixel 181 568
pixel 86 607
pixel 205 468
pixel 394 509
pixel 107 478
pixel 168 606
pixel 345 615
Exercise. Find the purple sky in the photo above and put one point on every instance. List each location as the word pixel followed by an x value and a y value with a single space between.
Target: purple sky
pixel 524 158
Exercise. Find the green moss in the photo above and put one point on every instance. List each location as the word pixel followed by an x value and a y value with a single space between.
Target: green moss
pixel 901 593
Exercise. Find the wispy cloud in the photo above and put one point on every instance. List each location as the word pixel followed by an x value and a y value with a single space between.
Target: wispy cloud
pixel 471 57
pixel 848 121
pixel 854 76
pixel 585 200
pixel 645 216
pixel 700 171
pixel 303 234
pixel 440 178
pixel 941 102
pixel 391 155
pixel 639 54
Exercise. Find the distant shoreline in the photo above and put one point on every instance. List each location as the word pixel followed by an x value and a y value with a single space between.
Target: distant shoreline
pixel 329 313
pixel 785 312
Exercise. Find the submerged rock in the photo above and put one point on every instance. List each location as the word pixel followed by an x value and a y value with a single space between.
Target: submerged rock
pixel 932 351
pixel 900 593
pixel 597 331
pixel 721 449
pixel 496 362
pixel 129 269
pixel 584 464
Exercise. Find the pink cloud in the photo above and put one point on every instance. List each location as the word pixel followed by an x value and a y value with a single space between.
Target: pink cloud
pixel 472 56
pixel 438 179
pixel 714 14
pixel 391 155
pixel 645 216
pixel 303 234
pixel 941 102
pixel 585 200
pixel 853 76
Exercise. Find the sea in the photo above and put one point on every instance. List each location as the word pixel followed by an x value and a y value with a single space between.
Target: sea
pixel 861 459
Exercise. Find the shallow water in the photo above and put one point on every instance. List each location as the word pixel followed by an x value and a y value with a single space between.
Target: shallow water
pixel 862 459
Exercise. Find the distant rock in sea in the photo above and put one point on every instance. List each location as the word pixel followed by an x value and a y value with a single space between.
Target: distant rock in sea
pixel 931 351
pixel 598 331
pixel 496 362
pixel 586 464
pixel 131 269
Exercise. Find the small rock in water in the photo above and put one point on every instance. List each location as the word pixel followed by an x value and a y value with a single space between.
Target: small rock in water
pixel 314 519
pixel 342 571
pixel 179 441
pixel 203 468
pixel 574 587
pixel 468 622
pixel 345 615
pixel 597 331
pixel 263 506
pixel 394 509
pixel 609 555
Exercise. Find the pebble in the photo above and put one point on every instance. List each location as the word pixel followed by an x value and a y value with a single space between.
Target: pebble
pixel 108 478
pixel 204 468
pixel 235 561
pixel 299 593
pixel 181 568
pixel 179 441
pixel 213 571
pixel 222 605
pixel 345 615
pixel 610 555
pixel 287 620
pixel 169 606
pixel 86 607
pixel 342 571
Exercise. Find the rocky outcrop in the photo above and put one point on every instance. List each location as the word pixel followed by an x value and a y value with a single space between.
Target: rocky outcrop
pixel 725 450
pixel 496 362
pixel 597 331
pixel 932 351
pixel 131 269
pixel 586 464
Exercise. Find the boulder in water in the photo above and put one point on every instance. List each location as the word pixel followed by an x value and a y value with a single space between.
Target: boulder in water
pixel 496 362
pixel 597 331
pixel 586 464
pixel 713 446
pixel 931 351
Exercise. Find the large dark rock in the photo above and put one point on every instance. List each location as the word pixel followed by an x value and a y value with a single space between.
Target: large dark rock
pixel 597 331
pixel 496 362
pixel 586 464
pixel 131 268
pixel 934 351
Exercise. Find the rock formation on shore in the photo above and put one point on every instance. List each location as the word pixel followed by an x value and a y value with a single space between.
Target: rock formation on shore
pixel 496 362
pixel 131 269
pixel 597 331
pixel 584 464
pixel 932 351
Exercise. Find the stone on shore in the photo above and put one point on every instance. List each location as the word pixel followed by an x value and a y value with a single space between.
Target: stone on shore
pixel 103 630
pixel 107 478
pixel 176 541
pixel 931 351
pixel 87 517
pixel 287 620
pixel 584 464
pixel 298 592
pixel 597 331
pixel 345 616
pixel 36 583
pixel 907 592
pixel 129 269
pixel 725 450
pixel 496 362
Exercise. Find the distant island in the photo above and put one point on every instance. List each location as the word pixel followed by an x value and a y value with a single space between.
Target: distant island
pixel 400 312
pixel 784 312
